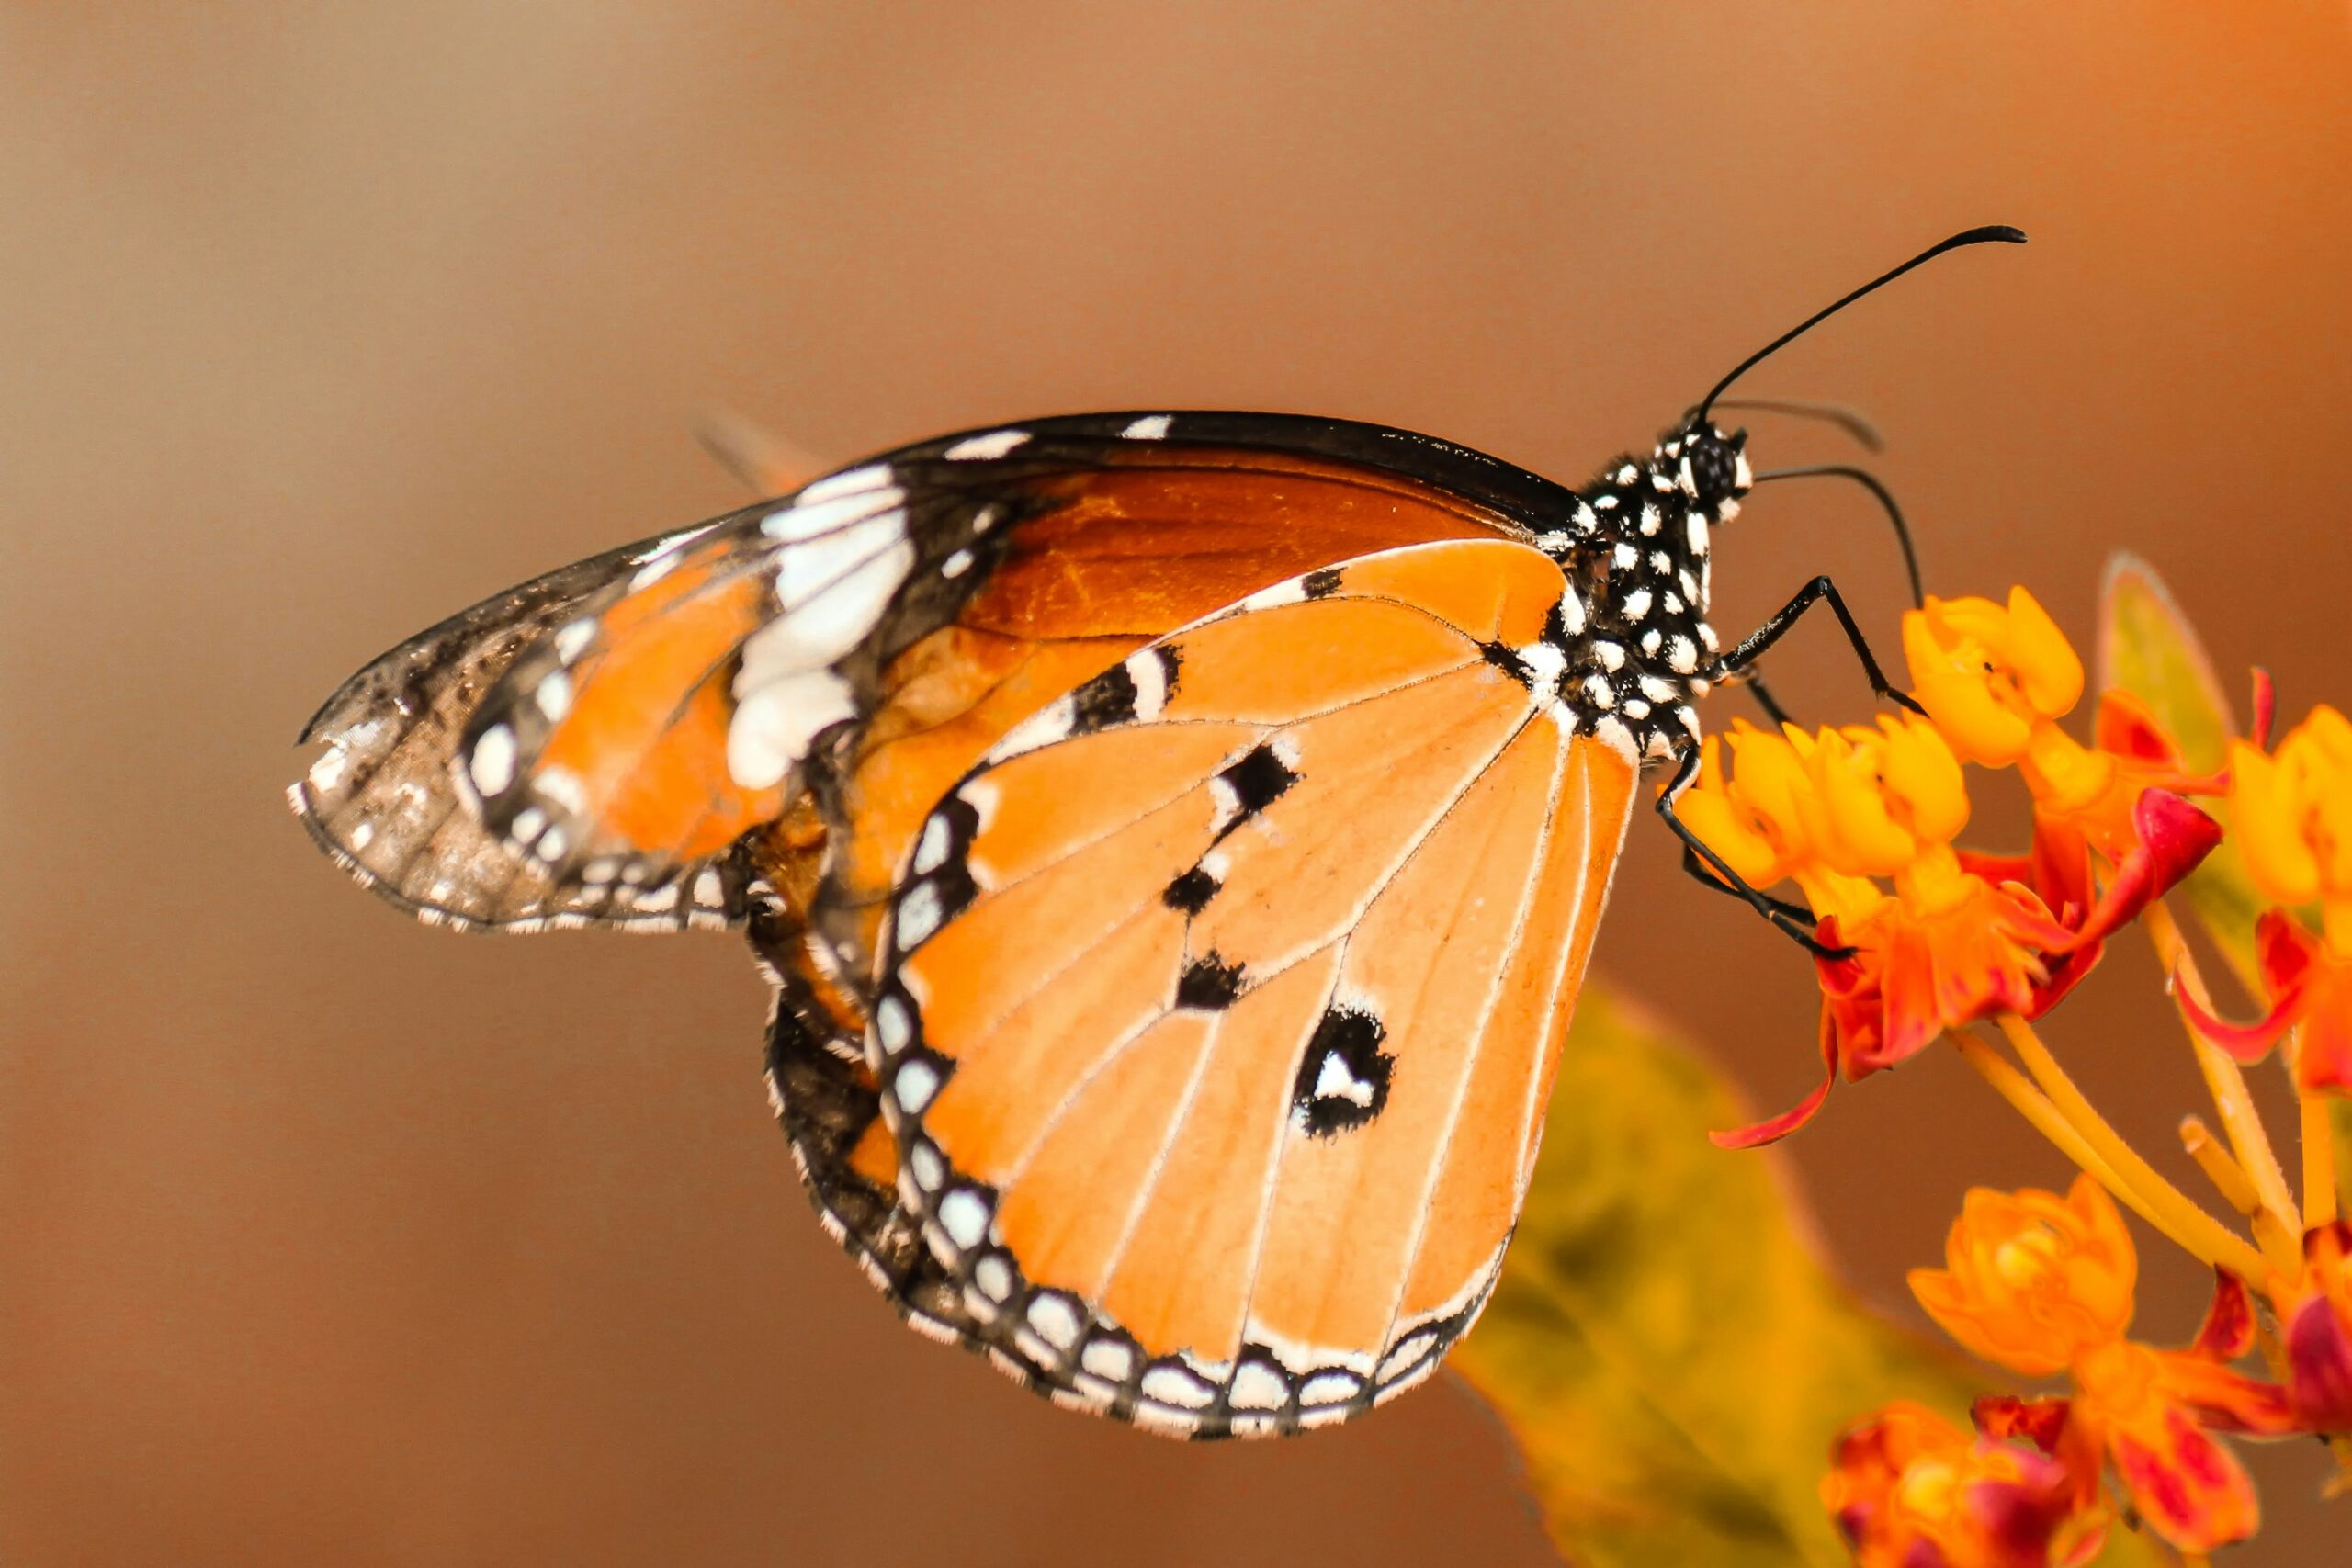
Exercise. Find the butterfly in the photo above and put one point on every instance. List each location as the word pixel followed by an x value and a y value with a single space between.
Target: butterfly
pixel 1175 838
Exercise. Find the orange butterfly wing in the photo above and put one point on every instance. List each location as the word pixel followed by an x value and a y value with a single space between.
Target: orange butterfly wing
pixel 1220 1002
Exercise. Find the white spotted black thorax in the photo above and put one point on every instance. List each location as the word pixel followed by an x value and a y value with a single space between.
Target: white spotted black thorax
pixel 1638 555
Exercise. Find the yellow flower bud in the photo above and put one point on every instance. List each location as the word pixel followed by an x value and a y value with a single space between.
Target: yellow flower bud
pixel 1861 835
pixel 1921 770
pixel 2046 668
pixel 1990 675
pixel 2292 811
pixel 1884 795
pixel 2268 829
pixel 1726 825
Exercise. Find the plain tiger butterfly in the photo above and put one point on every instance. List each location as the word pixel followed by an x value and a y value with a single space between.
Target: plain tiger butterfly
pixel 1175 838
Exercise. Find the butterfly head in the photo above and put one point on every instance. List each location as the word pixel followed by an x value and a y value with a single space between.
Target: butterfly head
pixel 1707 466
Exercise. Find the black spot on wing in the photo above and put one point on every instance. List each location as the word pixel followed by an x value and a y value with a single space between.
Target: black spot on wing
pixel 1320 584
pixel 1503 658
pixel 1108 699
pixel 1209 984
pixel 1256 782
pixel 1190 892
pixel 1343 1079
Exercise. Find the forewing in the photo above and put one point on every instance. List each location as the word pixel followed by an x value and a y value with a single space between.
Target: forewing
pixel 1218 1005
pixel 382 798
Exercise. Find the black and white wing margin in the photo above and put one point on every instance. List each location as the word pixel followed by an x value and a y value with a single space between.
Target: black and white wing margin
pixel 382 798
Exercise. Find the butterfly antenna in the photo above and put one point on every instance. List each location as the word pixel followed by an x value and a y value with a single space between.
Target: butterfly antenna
pixel 2000 233
pixel 1852 421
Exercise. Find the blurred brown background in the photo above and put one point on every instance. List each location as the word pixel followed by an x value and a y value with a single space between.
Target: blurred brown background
pixel 329 1238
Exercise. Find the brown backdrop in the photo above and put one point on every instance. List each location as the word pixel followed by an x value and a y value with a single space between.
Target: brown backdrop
pixel 325 1238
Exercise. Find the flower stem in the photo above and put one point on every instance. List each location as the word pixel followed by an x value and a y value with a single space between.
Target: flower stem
pixel 2239 1121
pixel 2214 1160
pixel 2210 1241
pixel 2319 1161
pixel 2181 1219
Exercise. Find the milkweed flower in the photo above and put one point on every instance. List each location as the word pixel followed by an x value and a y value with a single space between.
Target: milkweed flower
pixel 1995 679
pixel 2032 1281
pixel 2315 1325
pixel 1961 937
pixel 2292 816
pixel 1910 1490
pixel 2040 1285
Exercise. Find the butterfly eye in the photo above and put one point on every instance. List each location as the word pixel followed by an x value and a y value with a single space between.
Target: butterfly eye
pixel 1714 469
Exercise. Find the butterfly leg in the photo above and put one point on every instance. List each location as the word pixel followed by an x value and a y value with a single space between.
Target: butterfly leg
pixel 1783 920
pixel 1751 647
pixel 1696 869
pixel 1753 679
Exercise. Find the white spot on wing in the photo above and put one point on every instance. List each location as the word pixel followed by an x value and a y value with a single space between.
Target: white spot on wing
pixel 1334 1081
pixel 918 915
pixel 492 766
pixel 931 853
pixel 828 604
pixel 964 1217
pixel 891 1025
pixel 669 544
pixel 805 520
pixel 1150 678
pixel 1057 1321
pixel 995 443
pixel 1151 427
pixel 849 482
pixel 1257 1386
pixel 1107 1359
pixel 555 695
pixel 327 771
pixel 774 726
pixel 957 565
pixel 916 1082
pixel 1543 663
pixel 563 786
pixel 1172 1385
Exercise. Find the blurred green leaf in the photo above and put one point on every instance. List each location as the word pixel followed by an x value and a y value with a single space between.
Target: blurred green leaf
pixel 2147 647
pixel 1671 1354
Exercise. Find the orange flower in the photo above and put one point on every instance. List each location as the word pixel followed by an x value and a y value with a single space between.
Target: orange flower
pixel 2315 1320
pixel 1996 681
pixel 1910 1490
pixel 1965 936
pixel 2041 1284
pixel 1762 815
pixel 2032 1281
pixel 2292 816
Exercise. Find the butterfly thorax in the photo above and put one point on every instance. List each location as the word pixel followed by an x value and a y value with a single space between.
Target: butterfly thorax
pixel 1636 551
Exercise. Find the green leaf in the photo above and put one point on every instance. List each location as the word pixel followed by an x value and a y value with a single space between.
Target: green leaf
pixel 1672 1356
pixel 2147 647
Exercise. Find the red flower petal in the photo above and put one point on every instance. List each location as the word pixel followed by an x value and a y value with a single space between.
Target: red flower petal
pixel 2174 838
pixel 2038 1421
pixel 2228 1331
